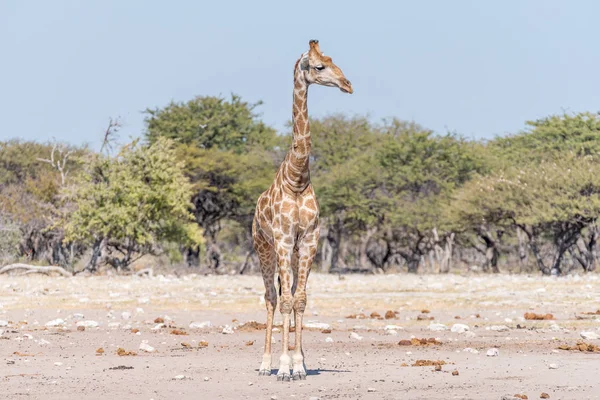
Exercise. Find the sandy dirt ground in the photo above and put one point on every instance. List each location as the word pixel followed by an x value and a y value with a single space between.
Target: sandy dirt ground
pixel 60 338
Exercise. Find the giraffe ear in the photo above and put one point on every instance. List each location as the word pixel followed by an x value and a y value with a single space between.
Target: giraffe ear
pixel 304 64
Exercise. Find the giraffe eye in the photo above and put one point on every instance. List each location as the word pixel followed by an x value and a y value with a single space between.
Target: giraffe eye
pixel 319 67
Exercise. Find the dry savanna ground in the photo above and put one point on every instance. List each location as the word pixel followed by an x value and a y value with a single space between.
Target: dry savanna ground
pixel 192 337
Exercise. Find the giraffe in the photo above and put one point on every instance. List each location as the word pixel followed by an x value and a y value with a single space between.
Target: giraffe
pixel 285 229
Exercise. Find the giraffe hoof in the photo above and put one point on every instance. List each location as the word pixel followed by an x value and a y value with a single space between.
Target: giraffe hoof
pixel 299 376
pixel 283 377
pixel 264 372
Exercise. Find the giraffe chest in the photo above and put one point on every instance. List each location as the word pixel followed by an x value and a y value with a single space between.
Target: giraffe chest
pixel 293 215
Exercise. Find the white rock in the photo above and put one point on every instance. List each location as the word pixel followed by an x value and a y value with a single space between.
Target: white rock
pixel 147 348
pixel 200 325
pixel 206 379
pixel 43 342
pixel 158 327
pixel 470 334
pixel 493 352
pixel 78 316
pixel 355 336
pixel 317 325
pixel 1 332
pixel 88 324
pixel 391 332
pixel 227 330
pixel 553 366
pixel 55 322
pixel 143 300
pixel 125 315
pixel 394 327
pixel 470 350
pixel 555 327
pixel 499 328
pixel 437 327
pixel 179 377
pixel 328 340
pixel 114 325
pixel 508 320
pixel 58 364
pixel 3 323
pixel 589 335
pixel 459 328
pixel 139 310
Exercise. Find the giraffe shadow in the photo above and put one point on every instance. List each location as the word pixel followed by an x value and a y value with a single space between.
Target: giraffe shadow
pixel 313 372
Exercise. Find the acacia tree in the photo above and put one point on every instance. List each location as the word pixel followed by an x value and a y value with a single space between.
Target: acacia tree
pixel 31 177
pixel 418 172
pixel 230 158
pixel 344 181
pixel 555 200
pixel 130 204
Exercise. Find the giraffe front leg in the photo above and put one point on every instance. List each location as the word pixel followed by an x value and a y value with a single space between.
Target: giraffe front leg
pixel 285 306
pixel 307 251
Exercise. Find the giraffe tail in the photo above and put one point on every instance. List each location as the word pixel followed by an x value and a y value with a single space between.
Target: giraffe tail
pixel 279 283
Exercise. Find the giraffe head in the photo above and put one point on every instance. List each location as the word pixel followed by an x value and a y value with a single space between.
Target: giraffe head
pixel 320 69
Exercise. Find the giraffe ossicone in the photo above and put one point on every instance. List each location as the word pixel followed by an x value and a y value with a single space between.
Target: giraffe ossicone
pixel 285 229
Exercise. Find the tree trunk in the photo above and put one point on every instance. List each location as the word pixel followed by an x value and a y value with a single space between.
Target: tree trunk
pixel 533 245
pixel 413 262
pixel 521 237
pixel 364 241
pixel 192 256
pixel 334 236
pixel 92 264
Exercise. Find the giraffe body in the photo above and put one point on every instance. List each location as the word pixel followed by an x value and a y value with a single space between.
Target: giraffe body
pixel 285 229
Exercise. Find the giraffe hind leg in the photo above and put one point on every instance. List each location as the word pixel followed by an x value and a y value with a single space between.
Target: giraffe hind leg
pixel 266 256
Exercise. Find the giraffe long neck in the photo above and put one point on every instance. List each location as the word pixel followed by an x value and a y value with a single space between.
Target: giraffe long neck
pixel 295 169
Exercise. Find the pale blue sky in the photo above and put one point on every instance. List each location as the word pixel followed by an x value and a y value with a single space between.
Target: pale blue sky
pixel 480 68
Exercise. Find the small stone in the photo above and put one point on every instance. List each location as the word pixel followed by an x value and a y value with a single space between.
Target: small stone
pixel 589 335
pixel 544 395
pixel 499 328
pixel 553 366
pixel 459 328
pixel 493 352
pixel 179 377
pixel 158 327
pixel 81 328
pixel 58 364
pixel 147 348
pixel 88 324
pixel 125 315
pixel 355 336
pixel 314 398
pixel 200 325
pixel 317 325
pixel 437 327
pixel 371 390
pixel 273 397
pixel 455 372
pixel 391 332
pixel 328 340
pixel 55 322
pixel 206 379
pixel 3 323
pixel 227 330
pixel 470 334
pixel 78 316
pixel 394 327
pixel 470 350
